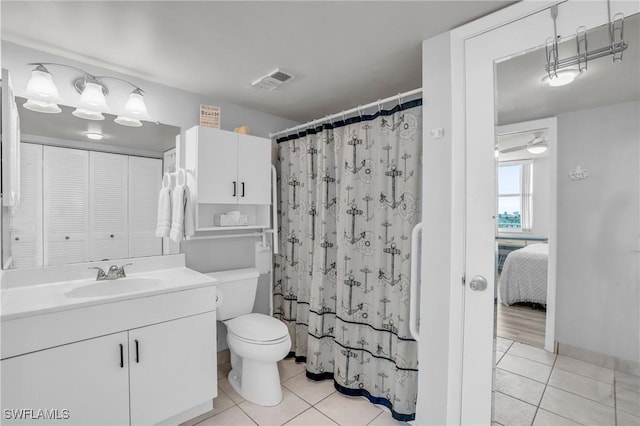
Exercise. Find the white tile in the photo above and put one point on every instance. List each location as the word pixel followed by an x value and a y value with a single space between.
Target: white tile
pixel 385 419
pixel 311 417
pixel 626 419
pixel 627 400
pixel 519 387
pixel 347 410
pixel 584 369
pixel 231 393
pixel 627 381
pixel 289 368
pixel 532 353
pixel 576 408
pixel 545 418
pixel 290 406
pixel 233 416
pixel 222 401
pixel 503 344
pixel 310 390
pixel 509 411
pixel 581 385
pixel 525 367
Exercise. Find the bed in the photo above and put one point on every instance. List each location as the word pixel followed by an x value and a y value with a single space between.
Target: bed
pixel 524 275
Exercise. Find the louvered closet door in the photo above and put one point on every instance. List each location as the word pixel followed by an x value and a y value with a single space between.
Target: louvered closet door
pixel 26 219
pixel 66 205
pixel 145 178
pixel 108 202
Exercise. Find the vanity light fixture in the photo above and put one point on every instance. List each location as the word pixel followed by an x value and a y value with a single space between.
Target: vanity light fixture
pixel 95 136
pixel 560 72
pixel 42 96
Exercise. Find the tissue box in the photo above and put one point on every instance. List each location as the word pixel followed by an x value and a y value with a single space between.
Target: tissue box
pixel 231 220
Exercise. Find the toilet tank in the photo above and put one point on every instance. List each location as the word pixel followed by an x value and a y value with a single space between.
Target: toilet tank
pixel 236 290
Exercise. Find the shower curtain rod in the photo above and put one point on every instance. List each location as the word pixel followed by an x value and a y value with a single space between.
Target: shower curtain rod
pixel 358 109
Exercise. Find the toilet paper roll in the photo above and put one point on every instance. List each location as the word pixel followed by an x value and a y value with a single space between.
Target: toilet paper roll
pixel 219 298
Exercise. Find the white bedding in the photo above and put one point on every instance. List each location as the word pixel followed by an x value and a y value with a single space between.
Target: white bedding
pixel 524 275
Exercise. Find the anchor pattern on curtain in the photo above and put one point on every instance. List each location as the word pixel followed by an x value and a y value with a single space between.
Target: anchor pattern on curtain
pixel 349 198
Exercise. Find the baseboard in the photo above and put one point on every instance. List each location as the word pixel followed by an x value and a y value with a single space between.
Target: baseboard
pixel 603 360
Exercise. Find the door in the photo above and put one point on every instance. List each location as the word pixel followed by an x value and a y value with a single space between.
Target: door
pixel 173 367
pixel 108 221
pixel 84 383
pixel 254 170
pixel 145 178
pixel 66 205
pixel 480 54
pixel 217 166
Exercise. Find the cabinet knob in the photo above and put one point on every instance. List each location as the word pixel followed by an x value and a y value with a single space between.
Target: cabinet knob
pixel 17 238
pixel 111 235
pixel 67 237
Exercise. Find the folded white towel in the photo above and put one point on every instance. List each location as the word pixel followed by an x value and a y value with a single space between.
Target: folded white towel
pixel 164 210
pixel 177 216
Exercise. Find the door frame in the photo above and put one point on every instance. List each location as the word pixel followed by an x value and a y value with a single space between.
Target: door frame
pixel 445 305
pixel 552 131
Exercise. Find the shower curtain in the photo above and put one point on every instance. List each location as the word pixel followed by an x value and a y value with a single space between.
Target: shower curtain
pixel 349 198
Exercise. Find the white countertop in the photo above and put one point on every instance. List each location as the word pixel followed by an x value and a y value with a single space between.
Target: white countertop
pixel 40 299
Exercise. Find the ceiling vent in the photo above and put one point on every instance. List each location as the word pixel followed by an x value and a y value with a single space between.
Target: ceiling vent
pixel 272 80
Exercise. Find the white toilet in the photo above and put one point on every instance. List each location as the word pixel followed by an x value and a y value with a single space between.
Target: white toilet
pixel 256 341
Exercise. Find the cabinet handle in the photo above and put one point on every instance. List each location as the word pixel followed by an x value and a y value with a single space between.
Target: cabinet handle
pixel 242 189
pixel 234 188
pixel 121 356
pixel 137 352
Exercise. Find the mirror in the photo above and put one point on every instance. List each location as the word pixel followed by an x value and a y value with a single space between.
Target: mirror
pixel 593 168
pixel 86 200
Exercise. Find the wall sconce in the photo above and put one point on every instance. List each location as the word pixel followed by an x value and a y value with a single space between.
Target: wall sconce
pixel 42 96
pixel 561 72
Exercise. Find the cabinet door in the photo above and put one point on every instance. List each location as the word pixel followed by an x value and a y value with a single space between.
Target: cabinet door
pixel 108 220
pixel 66 205
pixel 26 219
pixel 145 178
pixel 10 144
pixel 173 367
pixel 85 378
pixel 254 170
pixel 217 166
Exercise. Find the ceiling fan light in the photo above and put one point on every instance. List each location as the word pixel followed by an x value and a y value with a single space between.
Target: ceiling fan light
pixel 128 121
pixel 537 149
pixel 39 106
pixel 562 78
pixel 88 114
pixel 135 108
pixel 93 99
pixel 41 87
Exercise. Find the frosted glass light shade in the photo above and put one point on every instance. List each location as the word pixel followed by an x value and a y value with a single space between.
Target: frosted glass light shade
pixel 93 99
pixel 41 87
pixel 39 106
pixel 135 106
pixel 128 121
pixel 537 149
pixel 562 78
pixel 88 114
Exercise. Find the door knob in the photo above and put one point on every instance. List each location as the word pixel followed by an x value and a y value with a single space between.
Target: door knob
pixel 478 283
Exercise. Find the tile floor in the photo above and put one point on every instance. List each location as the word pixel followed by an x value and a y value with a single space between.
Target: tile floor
pixel 532 387
pixel 305 403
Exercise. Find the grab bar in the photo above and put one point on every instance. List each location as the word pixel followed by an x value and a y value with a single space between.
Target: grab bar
pixel 413 289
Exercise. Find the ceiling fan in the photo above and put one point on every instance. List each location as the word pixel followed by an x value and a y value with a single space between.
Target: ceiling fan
pixel 537 145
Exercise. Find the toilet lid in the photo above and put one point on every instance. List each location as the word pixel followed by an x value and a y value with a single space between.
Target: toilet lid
pixel 257 327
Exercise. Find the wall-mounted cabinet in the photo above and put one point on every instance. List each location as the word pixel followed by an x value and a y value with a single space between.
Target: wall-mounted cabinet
pixel 228 172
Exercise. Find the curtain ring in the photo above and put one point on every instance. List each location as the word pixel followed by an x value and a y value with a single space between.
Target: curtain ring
pixel 360 112
pixel 379 107
pixel 344 120
pixel 399 101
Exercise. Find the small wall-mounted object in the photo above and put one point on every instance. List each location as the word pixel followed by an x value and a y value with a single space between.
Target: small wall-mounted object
pixel 578 173
pixel 210 116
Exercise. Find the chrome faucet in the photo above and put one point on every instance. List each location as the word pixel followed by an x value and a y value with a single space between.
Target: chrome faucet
pixel 113 273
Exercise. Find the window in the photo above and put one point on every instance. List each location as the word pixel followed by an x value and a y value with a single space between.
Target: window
pixel 514 196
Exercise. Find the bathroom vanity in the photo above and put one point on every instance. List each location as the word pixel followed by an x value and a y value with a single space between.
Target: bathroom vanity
pixel 139 350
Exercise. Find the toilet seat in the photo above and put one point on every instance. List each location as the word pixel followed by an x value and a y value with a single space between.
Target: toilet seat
pixel 258 329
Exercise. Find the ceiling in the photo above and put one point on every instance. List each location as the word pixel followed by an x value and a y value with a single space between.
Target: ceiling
pixel 523 96
pixel 342 53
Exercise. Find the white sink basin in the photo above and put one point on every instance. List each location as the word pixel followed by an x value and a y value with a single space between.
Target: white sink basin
pixel 114 287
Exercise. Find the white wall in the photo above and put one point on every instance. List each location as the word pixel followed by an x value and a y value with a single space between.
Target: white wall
pixel 171 106
pixel 598 295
